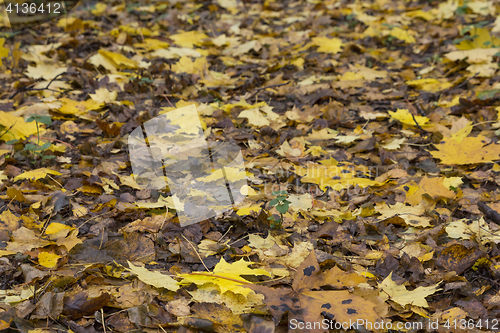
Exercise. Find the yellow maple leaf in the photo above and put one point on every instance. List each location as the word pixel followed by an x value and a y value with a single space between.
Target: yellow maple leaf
pixel 10 221
pixel 483 70
pixel 349 76
pixel 70 241
pixel 243 104
pixel 188 39
pixel 103 95
pixel 156 279
pixel 226 276
pixel 244 48
pixel 291 151
pixel 473 56
pixel 215 79
pixel 72 107
pixel 431 85
pixel 398 293
pixel 336 177
pixel 481 38
pixel 484 8
pixel 466 229
pixel 2 176
pixel 15 127
pixel 99 9
pixel 428 16
pixel 48 259
pixel 118 59
pixel 24 239
pixel 327 45
pixel 36 174
pixel 447 9
pixel 3 51
pixel 152 44
pixel 471 150
pixel 404 116
pixel 403 34
pixel 245 210
pixel 229 174
pixel 186 65
pixel 452 182
pixel 255 117
pixel 57 230
pixel 434 187
pixel 230 5
pixel 394 144
pixel 45 71
pixel 460 129
pixel 412 215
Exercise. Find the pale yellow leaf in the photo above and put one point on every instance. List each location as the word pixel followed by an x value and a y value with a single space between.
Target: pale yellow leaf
pixel 36 174
pixel 399 294
pixel 15 127
pixel 155 279
pixel 48 259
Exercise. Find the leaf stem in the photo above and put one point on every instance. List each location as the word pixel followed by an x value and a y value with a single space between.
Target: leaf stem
pixel 220 277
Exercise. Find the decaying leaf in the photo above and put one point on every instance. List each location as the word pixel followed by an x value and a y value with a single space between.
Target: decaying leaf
pixel 399 294
pixel 304 304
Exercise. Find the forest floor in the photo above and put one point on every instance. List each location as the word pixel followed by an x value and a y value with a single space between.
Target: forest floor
pixel 366 189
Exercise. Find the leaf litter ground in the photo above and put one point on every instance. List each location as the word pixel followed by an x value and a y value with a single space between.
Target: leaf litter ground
pixel 380 119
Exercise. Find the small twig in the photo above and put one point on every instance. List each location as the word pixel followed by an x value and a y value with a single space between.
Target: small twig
pixel 490 213
pixel 103 323
pixel 165 95
pixel 272 280
pixel 140 32
pixel 196 251
pixel 417 144
pixel 220 277
pixel 8 129
pixel 102 238
pixel 90 219
pixel 55 181
pixel 236 241
pixel 485 122
pixel 465 82
pixel 64 143
pixel 46 224
pixel 164 220
pixel 37 89
pixel 415 120
pixel 54 78
pixel 33 89
pixel 225 233
pixel 263 88
pixel 413 115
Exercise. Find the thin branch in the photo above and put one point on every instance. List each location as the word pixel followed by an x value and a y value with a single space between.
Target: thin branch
pixel 490 213
pixel 220 277
pixel 37 89
pixel 263 88
pixel 8 129
pixel 224 234
pixel 55 181
pixel 103 323
pixel 413 115
pixel 196 251
pixel 64 143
